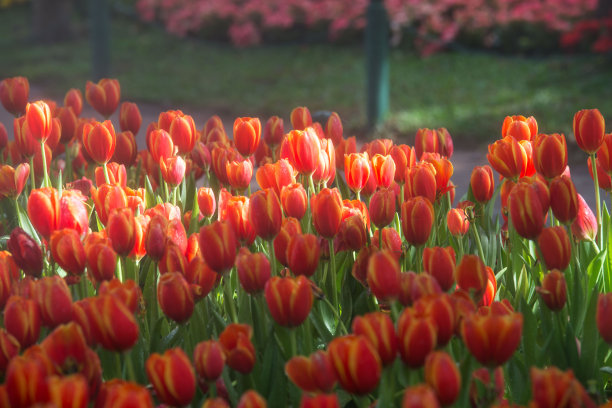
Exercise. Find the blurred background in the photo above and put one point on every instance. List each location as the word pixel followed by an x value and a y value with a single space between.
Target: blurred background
pixel 388 68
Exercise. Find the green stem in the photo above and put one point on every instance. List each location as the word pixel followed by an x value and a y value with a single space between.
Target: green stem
pixel 293 342
pixel 380 238
pixel 32 179
pixel 44 164
pixel 333 272
pixel 336 315
pixel 597 201
pixel 229 298
pixel 120 268
pixel 272 257
pixel 478 243
pixel 358 195
pixel 311 186
pixel 129 364
pixel 106 178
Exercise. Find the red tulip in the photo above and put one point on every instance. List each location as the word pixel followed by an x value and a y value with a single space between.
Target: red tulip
pixel 417 337
pixel 218 245
pixel 99 140
pixel 209 360
pixel 103 96
pixel 239 351
pixel 300 118
pixel 471 275
pixel 356 362
pixel 129 117
pixel 440 263
pixel 74 100
pixel 14 94
pixel 378 328
pixel 294 200
pixel 289 300
pixel 273 131
pixel 519 127
pixel 589 129
pixel 553 290
pixel 265 213
pixel 384 275
pixel 312 374
pixel 482 184
pixel 38 116
pixel 247 132
pixel 550 154
pixel 555 247
pixel 172 377
pixel 43 210
pixel 289 227
pixel 417 220
pixel 22 319
pixel 604 316
pixel 26 252
pixel 253 270
pixel 326 208
pixel 442 374
pixel 382 207
pixel 526 210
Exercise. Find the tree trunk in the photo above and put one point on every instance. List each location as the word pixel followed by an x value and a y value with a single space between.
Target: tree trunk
pixel 51 20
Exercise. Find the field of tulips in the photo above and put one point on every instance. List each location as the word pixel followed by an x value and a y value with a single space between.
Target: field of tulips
pixel 348 275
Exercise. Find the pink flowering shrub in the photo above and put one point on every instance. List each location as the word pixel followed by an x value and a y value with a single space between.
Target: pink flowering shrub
pixel 435 22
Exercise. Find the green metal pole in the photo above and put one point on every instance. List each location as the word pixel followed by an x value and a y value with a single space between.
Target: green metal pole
pixel 99 33
pixel 377 62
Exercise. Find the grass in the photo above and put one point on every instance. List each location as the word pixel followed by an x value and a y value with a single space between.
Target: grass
pixel 469 93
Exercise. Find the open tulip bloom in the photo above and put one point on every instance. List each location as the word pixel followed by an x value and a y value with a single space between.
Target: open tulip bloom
pixel 166 276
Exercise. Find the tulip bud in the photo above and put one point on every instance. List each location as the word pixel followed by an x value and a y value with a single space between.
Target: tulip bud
pixel 99 140
pixel 326 208
pixel 113 323
pixel 440 263
pixel 126 150
pixel 101 261
pixel 13 180
pixel 356 170
pixel 103 96
pixel 22 320
pixel 553 290
pixel 300 118
pixel 218 245
pixel 129 117
pixel 247 132
pixel 289 227
pixel 253 270
pixel 550 154
pixel 378 328
pixel 74 100
pixel 356 362
pixel 289 300
pixel 294 200
pixel 206 202
pixel 417 220
pixel 312 374
pixel 209 360
pixel 239 173
pixel 14 94
pixel 417 337
pixel 555 247
pixel 172 377
pixel 274 131
pixel 589 129
pixel 382 207
pixel 38 116
pixel 384 169
pixel 43 210
pixel 442 374
pixel 563 199
pixel 120 229
pixel 584 227
pixel 492 338
pixel 173 170
pixel 420 396
pixel 54 301
pixel 384 275
pixel 482 184
pixel 239 351
pixel 26 252
pixel 174 296
pixel 265 213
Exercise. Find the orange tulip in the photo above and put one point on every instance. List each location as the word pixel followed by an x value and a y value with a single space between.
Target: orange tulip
pixel 356 362
pixel 99 140
pixel 275 176
pixel 289 227
pixel 54 301
pixel 74 100
pixel 26 382
pixel 274 131
pixel 589 129
pixel 129 117
pixel 550 154
pixel 14 94
pixel 265 213
pixel 38 117
pixel 384 169
pixel 172 377
pixel 417 337
pixel 289 300
pixel 300 118
pixel 247 133
pixel 181 129
pixel 312 374
pixel 440 263
pixel 218 245
pixel 442 374
pixel 519 127
pixel 43 210
pixel 508 157
pixel 333 128
pixel 326 208
pixel 356 170
pixel 302 149
pixel 103 96
pixel 22 319
pixel 421 181
pixel 417 220
pixel 378 328
pixel 239 351
pixel 253 270
pixel 294 200
pixel 526 210
pixel 173 170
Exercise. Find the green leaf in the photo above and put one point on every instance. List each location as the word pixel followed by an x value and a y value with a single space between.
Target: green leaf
pixel 150 200
pixel 589 337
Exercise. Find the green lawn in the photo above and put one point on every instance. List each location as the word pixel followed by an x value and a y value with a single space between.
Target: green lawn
pixel 469 93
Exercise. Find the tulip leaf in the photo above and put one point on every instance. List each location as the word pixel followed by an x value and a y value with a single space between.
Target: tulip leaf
pixel 518 379
pixel 595 269
pixel 320 323
pixel 607 370
pixel 589 341
pixel 150 200
pixel 530 329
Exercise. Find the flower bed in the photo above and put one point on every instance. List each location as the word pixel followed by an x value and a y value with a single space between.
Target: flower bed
pixel 346 278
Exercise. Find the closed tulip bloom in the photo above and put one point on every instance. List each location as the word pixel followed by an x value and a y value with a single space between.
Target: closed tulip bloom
pixel 550 154
pixel 129 117
pixel 301 148
pixel 471 275
pixel 265 213
pixel 457 222
pixel 251 399
pixel 604 154
pixel 175 297
pixel 333 128
pixel 114 324
pixel 520 127
pixel 482 183
pixel 172 377
pixel 201 278
pixel 417 337
pixel 312 374
pixel 126 150
pixel 239 351
pixel 54 301
pixel 345 147
pixel 303 254
pixel 14 94
pixel 173 259
pixel 378 328
pixel 127 292
pixel 101 261
pixel 274 131
pixel 404 157
pixel 173 170
pixel 253 270
pixel 382 207
pixel 38 116
pixel 294 200
pixel 106 198
pixel 120 228
pixel 13 180
pixel 421 181
pixel 443 170
pixel 26 252
pixel 289 227
pixel 71 388
pixel 209 360
pixel 589 129
pixel 417 220
pixel 420 396
pixel 74 100
pixel 275 176
pixel 526 211
pixel 563 199
pixel 206 201
pixel 300 118
pixel 326 208
pixel 440 263
pixel 103 96
pixel 553 290
pixel 247 132
pixel 384 275
pixel 604 316
pixel 356 362
pixel 239 174
pixel 22 319
pixel 68 124
pixel 320 401
pixel 492 338
pixel 423 285
pixel 508 157
pixel 603 179
pixel 352 233
pixel 289 300
pixel 9 348
pixel 442 374
pixel 99 140
pixel 326 165
pixel 182 131
pixel 123 394
pixel 160 144
pixel 426 140
pixel 26 382
pixel 555 247
pixel 384 169
pixel 218 245
pixel 356 170
pixel 43 210
pixel 551 387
